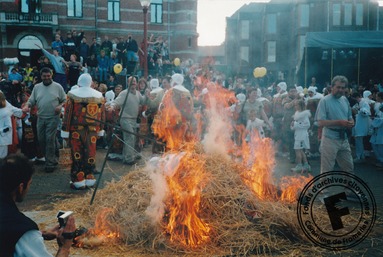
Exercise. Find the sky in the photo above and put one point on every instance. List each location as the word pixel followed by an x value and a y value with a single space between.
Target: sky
pixel 211 16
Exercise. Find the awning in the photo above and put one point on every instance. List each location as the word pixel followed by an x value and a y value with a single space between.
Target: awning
pixel 345 39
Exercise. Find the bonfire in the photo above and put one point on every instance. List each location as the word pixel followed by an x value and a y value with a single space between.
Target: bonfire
pixel 209 196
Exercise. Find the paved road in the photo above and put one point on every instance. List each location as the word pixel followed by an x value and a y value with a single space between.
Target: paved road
pixel 49 188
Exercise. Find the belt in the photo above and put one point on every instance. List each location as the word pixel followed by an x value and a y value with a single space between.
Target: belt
pixel 342 133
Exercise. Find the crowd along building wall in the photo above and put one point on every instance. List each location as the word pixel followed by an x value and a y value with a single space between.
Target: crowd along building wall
pixel 173 20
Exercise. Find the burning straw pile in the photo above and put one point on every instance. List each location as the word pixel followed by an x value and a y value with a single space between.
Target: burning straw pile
pixel 209 196
pixel 213 211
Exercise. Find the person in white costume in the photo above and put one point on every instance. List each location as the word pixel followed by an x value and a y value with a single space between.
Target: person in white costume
pixel 6 130
pixel 377 131
pixel 362 125
pixel 84 106
pixel 300 125
pixel 175 115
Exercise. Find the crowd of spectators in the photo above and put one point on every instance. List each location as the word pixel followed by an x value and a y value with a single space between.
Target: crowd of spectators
pixel 271 108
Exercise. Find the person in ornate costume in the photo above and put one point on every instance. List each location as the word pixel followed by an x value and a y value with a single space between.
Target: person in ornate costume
pixel 175 115
pixel 84 106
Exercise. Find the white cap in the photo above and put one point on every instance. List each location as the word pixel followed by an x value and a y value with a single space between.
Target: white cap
pixel 85 80
pixel 154 83
pixel 259 92
pixel 241 97
pixel 204 91
pixel 74 87
pixel 299 89
pixel 109 96
pixel 312 89
pixel 366 94
pixel 282 86
pixel 177 79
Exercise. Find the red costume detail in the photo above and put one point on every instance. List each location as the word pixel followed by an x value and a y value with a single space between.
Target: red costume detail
pixel 80 119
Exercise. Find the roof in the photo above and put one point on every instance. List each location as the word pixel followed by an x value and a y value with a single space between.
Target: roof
pixel 339 39
pixel 249 8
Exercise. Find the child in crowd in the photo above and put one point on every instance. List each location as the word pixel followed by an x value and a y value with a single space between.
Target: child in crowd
pixel 102 88
pixel 254 127
pixel 300 125
pixel 28 140
pixel 6 129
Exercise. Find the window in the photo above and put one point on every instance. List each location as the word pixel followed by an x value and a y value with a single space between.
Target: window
pixel 301 46
pixel 189 42
pixel 244 54
pixel 359 15
pixel 113 10
pixel 304 14
pixel 30 6
pixel 336 15
pixel 245 29
pixel 74 8
pixel 347 14
pixel 156 11
pixel 271 23
pixel 271 51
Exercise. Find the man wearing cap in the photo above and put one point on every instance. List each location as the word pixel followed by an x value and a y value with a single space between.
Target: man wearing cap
pixel 288 104
pixel 84 106
pixel 175 114
pixel 155 96
pixel 312 93
pixel 277 113
pixel 312 102
pixel 153 101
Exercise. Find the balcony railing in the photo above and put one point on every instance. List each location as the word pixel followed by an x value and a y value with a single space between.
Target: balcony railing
pixel 29 18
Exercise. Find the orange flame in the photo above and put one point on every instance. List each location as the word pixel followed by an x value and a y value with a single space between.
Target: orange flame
pixel 172 123
pixel 258 155
pixel 184 223
pixel 291 187
pixel 186 176
pixel 183 220
pixel 103 232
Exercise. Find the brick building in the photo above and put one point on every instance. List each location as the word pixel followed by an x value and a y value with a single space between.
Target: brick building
pixel 296 40
pixel 26 22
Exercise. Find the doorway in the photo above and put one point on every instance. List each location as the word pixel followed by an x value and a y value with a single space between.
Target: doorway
pixel 29 52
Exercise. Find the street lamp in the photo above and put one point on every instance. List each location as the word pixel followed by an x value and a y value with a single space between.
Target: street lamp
pixel 145 6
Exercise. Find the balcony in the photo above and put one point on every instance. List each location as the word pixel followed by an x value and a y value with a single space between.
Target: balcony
pixel 29 18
